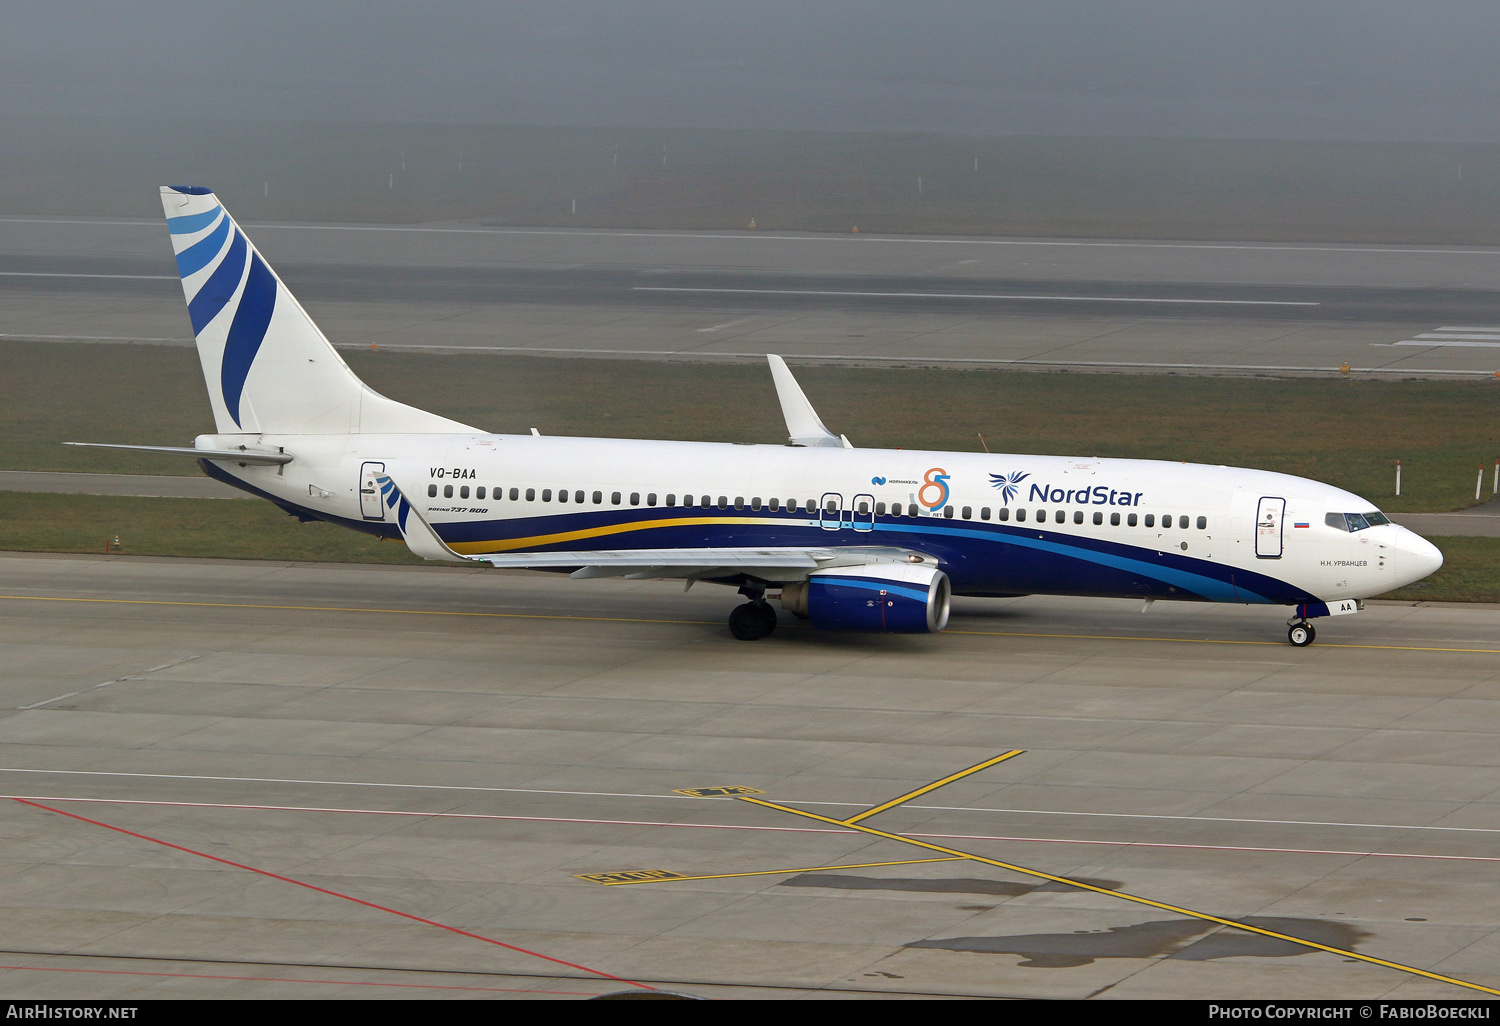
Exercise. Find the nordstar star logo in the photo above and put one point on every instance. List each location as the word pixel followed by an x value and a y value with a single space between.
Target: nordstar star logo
pixel 1007 483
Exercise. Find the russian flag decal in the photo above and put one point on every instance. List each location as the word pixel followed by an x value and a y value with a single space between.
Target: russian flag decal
pixel 1299 525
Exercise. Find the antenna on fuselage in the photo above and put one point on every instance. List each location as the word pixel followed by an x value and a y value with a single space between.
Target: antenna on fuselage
pixel 803 425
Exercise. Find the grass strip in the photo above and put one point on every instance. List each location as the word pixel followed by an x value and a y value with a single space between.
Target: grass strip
pixel 1347 433
pixel 44 522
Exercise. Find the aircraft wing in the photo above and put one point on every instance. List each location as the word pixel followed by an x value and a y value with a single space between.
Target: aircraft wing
pixel 778 563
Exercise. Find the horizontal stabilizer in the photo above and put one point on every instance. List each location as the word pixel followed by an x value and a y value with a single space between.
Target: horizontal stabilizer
pixel 259 457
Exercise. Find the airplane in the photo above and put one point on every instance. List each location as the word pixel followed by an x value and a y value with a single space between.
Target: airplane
pixel 849 539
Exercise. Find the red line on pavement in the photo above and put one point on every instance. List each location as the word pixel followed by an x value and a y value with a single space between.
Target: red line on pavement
pixel 284 979
pixel 335 894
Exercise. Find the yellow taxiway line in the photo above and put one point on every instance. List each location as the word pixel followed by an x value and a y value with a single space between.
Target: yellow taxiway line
pixel 1012 867
pixel 919 792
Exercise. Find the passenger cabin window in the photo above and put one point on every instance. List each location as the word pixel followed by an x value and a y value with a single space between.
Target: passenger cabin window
pixel 546 494
pixel 968 512
pixel 1078 516
pixel 1203 523
pixel 447 491
pixel 1098 518
pixel 984 512
pixel 911 509
pixel 614 498
pixel 1130 522
pixel 598 498
pixel 1150 519
pixel 723 502
pixel 635 498
pixel 432 493
pixel 739 502
pixel 1182 522
pixel 948 512
pixel 1020 515
pixel 1114 520
pixel 1003 513
pixel 880 509
pixel 774 505
pixel 578 495
pixel 671 499
pixel 479 492
pixel 463 493
pixel 755 502
pixel 515 493
pixel 562 495
pixel 864 507
pixel 651 498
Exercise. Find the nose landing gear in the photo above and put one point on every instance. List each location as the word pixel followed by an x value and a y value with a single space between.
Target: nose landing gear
pixel 1301 633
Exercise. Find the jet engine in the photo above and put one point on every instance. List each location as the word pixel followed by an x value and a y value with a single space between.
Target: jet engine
pixel 891 598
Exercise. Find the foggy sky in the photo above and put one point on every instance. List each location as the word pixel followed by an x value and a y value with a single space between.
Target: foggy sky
pixel 1358 70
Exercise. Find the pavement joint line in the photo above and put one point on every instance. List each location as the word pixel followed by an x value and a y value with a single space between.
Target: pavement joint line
pixel 1408 827
pixel 1081 885
pixel 862 239
pixel 287 979
pixel 668 824
pixel 703 623
pixel 1036 297
pixel 927 788
pixel 105 684
pixel 336 894
pixel 782 872
pixel 353 609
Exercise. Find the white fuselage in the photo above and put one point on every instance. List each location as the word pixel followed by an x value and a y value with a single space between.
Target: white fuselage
pixel 997 523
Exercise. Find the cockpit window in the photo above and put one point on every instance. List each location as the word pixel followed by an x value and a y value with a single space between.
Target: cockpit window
pixel 1355 521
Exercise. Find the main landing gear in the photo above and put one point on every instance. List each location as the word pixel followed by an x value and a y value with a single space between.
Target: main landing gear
pixel 753 620
pixel 1301 633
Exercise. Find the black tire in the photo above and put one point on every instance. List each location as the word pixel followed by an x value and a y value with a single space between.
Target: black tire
pixel 1301 634
pixel 748 623
pixel 768 616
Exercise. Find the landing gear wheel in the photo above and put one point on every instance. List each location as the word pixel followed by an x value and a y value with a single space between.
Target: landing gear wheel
pixel 752 621
pixel 1301 634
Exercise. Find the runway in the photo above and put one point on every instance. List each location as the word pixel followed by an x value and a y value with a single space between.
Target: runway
pixel 362 780
pixel 1100 304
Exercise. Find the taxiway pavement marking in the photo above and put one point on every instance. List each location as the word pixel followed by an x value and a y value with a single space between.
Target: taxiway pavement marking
pixel 285 979
pixel 1081 885
pixel 1405 827
pixel 766 872
pixel 706 623
pixel 925 788
pixel 675 825
pixel 355 609
pixel 332 893
pixel 975 295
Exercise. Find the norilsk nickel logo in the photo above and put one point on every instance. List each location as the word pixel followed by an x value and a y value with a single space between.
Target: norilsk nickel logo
pixel 1007 483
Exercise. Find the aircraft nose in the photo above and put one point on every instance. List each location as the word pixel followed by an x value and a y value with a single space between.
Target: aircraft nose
pixel 1418 557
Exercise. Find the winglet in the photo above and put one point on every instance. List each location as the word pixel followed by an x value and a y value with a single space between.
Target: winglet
pixel 803 426
pixel 419 535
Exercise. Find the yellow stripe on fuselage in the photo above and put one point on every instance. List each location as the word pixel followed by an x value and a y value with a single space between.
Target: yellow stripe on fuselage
pixel 479 548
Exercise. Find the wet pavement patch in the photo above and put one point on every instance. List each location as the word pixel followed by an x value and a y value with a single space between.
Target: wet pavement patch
pixel 947 885
pixel 1190 939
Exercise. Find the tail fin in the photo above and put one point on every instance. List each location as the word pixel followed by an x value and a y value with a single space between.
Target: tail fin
pixel 268 368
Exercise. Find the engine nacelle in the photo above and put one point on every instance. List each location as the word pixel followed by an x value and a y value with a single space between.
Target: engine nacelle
pixel 892 598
